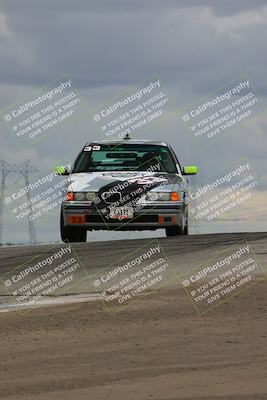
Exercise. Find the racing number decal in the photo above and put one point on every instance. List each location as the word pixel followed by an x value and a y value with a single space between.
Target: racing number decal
pixel 76 219
pixel 90 148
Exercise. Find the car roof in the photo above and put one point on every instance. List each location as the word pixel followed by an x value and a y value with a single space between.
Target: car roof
pixel 128 141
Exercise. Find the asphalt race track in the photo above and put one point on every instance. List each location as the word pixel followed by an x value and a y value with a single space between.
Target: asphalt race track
pixel 184 251
pixel 159 347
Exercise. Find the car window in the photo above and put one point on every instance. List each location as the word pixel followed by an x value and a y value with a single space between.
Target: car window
pixel 125 157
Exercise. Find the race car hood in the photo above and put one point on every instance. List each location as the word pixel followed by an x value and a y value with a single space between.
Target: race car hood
pixel 95 181
pixel 118 189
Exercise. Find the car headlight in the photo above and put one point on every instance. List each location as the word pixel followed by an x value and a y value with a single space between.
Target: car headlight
pixel 85 196
pixel 163 196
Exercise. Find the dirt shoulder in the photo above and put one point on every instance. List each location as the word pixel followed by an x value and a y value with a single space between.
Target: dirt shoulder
pixel 158 348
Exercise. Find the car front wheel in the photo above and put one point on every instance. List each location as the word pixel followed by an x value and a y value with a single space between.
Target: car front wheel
pixel 70 234
pixel 174 231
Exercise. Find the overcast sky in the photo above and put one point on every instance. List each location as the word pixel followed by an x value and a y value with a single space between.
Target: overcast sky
pixel 194 46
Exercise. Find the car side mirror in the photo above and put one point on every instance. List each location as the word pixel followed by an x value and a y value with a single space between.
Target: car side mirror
pixel 190 170
pixel 61 170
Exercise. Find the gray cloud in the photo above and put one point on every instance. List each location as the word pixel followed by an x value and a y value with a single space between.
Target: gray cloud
pixel 106 46
pixel 99 43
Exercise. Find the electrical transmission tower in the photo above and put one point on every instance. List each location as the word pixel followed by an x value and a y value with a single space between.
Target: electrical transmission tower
pixel 23 170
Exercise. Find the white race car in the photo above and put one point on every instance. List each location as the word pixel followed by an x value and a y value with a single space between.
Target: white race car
pixel 125 185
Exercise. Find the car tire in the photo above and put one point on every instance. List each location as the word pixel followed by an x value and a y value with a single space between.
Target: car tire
pixel 186 230
pixel 174 230
pixel 71 235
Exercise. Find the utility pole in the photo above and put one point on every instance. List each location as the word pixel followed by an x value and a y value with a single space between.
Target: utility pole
pixel 22 169
pixel 25 168
pixel 4 173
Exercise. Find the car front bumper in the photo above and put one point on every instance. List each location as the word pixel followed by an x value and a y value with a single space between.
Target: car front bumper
pixel 149 217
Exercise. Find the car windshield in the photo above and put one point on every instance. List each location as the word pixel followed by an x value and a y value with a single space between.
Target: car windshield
pixel 125 157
